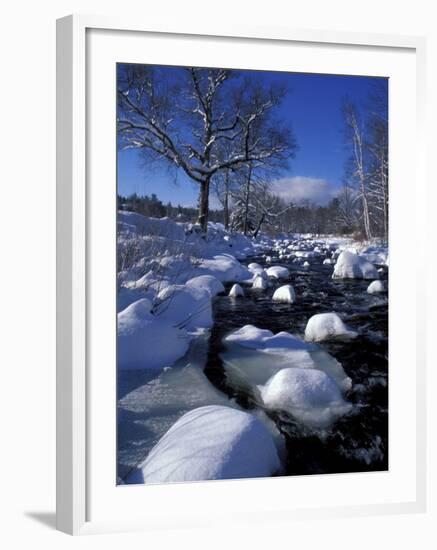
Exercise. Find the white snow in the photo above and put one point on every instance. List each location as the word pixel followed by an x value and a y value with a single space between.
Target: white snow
pixel 212 442
pixel 309 395
pixel 278 272
pixel 208 283
pixel 145 341
pixel 306 264
pixel 235 291
pixel 327 326
pixel 253 355
pixel 184 306
pixel 224 267
pixel 327 261
pixel 352 266
pixel 284 294
pixel 376 287
pixel 260 282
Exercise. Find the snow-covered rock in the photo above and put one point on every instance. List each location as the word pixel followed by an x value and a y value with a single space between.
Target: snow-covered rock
pixel 306 264
pixel 253 355
pixel 327 326
pixel 309 395
pixel 278 272
pixel 211 442
pixel 225 267
pixel 184 306
pixel 352 266
pixel 147 342
pixel 284 294
pixel 376 287
pixel 236 291
pixel 208 283
pixel 327 261
pixel 254 267
pixel 260 282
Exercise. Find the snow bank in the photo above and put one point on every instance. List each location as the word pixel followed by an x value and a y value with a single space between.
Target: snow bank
pixel 284 294
pixel 184 306
pixel 206 282
pixel 145 341
pixel 211 442
pixel 235 291
pixel 375 287
pixel 309 395
pixel 278 272
pixel 327 326
pixel 353 266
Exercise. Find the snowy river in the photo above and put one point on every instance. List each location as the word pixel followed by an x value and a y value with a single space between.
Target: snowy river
pixel 357 441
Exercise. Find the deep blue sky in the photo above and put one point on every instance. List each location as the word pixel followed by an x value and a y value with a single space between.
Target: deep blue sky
pixel 312 107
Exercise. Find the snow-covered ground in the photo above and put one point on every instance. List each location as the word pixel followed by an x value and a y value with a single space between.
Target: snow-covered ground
pixel 176 425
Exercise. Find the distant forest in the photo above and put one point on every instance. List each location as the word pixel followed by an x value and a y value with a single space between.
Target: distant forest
pixel 303 218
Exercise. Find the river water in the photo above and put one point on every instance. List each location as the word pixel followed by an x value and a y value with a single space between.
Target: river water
pixel 358 441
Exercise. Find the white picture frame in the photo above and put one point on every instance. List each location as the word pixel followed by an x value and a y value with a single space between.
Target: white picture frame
pixel 74 461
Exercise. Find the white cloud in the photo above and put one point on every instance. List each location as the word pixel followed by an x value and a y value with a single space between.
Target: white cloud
pixel 301 188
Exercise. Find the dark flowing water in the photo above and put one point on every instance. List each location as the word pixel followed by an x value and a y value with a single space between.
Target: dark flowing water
pixel 359 440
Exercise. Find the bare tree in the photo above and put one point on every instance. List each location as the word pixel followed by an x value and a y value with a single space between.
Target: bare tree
pixel 355 133
pixel 186 121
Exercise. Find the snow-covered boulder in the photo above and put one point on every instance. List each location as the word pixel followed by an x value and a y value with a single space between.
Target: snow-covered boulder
pixel 284 294
pixel 236 291
pixel 352 266
pixel 260 282
pixel 376 287
pixel 211 442
pixel 306 264
pixel 145 341
pixel 253 355
pixel 327 261
pixel 189 307
pixel 309 395
pixel 327 326
pixel 254 267
pixel 278 272
pixel 208 283
pixel 225 267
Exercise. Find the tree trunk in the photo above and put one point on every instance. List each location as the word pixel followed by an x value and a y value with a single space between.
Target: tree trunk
pixel 202 219
pixel 246 200
pixel 258 227
pixel 226 201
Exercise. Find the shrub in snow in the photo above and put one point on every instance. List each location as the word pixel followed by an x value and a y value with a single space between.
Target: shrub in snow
pixel 235 291
pixel 284 294
pixel 278 272
pixel 375 287
pixel 206 282
pixel 260 282
pixel 184 306
pixel 309 395
pixel 145 342
pixel 327 326
pixel 351 266
pixel 211 442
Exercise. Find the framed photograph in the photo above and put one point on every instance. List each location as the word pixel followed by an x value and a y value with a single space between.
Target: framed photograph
pixel 239 337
